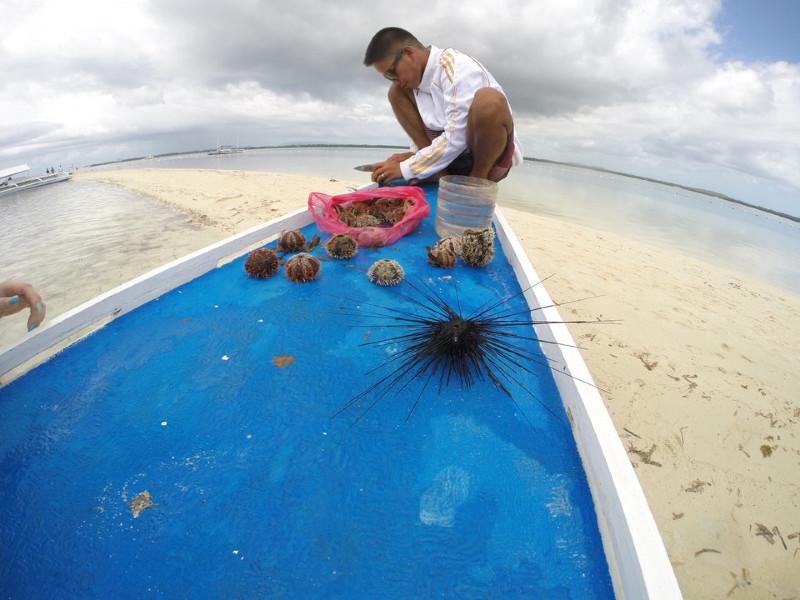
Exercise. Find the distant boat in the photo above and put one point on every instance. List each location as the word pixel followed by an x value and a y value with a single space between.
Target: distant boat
pixel 226 150
pixel 10 185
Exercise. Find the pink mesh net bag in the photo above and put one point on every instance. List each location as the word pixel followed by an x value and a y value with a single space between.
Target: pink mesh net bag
pixel 374 217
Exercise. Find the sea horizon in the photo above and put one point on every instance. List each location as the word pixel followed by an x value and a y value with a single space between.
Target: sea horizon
pixel 577 165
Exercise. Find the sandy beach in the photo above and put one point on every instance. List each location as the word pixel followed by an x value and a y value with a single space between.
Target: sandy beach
pixel 702 373
pixel 227 201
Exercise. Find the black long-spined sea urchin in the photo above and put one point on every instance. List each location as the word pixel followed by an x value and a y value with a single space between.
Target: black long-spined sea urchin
pixel 441 343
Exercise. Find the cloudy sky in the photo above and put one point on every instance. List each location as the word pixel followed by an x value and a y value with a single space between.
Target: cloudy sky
pixel 700 92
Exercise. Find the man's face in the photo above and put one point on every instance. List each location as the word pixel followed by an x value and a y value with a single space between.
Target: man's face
pixel 399 67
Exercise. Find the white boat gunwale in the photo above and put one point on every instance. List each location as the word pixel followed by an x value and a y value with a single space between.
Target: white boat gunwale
pixel 637 559
pixel 636 555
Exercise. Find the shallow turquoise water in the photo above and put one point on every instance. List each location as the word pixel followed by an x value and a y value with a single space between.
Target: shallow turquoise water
pixel 76 240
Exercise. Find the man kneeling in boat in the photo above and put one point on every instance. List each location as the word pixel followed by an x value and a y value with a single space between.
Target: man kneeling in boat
pixel 454 111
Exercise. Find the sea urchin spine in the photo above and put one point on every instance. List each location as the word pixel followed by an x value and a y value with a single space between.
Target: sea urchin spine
pixel 491 343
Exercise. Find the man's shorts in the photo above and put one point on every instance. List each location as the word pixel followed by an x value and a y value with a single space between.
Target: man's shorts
pixel 463 163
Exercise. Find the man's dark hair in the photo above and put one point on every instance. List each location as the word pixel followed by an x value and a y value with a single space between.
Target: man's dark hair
pixel 386 42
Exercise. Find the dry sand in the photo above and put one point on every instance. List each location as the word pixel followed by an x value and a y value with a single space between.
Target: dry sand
pixel 702 373
pixel 228 201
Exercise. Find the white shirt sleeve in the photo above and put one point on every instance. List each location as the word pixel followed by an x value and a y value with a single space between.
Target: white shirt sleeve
pixel 458 82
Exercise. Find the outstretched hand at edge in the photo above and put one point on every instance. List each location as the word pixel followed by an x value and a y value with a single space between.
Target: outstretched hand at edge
pixel 17 295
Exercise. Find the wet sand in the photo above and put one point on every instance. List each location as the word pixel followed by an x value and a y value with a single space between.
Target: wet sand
pixel 702 374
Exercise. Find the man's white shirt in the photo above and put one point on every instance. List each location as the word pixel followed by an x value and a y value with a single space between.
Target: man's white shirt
pixel 444 97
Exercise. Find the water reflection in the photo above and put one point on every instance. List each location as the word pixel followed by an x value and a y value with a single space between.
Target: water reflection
pixel 76 240
pixel 747 241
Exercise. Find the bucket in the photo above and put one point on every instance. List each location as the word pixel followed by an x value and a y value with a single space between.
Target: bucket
pixel 464 203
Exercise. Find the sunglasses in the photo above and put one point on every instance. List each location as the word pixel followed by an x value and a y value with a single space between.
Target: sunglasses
pixel 390 73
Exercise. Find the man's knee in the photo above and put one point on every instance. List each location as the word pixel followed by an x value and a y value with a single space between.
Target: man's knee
pixel 490 104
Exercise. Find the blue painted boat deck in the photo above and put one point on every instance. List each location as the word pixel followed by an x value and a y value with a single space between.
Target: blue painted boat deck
pixel 258 491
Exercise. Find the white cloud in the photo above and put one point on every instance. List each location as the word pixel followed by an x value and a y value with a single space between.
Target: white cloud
pixel 632 86
pixel 735 88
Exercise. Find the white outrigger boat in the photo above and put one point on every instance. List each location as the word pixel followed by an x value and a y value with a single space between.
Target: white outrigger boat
pixel 10 185
pixel 637 562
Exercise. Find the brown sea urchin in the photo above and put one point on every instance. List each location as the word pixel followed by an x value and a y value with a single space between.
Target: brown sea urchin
pixel 365 220
pixel 349 213
pixel 441 256
pixel 386 272
pixel 341 246
pixel 392 216
pixel 387 203
pixel 451 243
pixel 261 263
pixel 389 210
pixel 291 241
pixel 373 213
pixel 302 268
pixel 477 247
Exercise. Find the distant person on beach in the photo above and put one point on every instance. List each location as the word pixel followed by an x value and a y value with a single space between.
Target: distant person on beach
pixel 17 295
pixel 456 114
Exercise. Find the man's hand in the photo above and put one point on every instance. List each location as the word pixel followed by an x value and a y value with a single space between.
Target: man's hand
pixel 389 169
pixel 400 157
pixel 18 295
